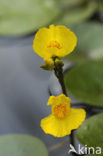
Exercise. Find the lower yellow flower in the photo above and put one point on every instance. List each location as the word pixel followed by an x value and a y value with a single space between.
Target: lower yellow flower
pixel 63 118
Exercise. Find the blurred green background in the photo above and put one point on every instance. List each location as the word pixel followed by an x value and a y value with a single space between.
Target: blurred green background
pixel 24 86
pixel 26 16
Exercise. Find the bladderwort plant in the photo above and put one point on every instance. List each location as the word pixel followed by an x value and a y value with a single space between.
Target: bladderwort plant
pixel 52 44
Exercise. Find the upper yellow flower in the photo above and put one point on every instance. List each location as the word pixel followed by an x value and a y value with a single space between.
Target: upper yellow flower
pixel 63 118
pixel 54 41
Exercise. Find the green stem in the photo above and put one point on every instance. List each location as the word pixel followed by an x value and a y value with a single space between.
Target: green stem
pixel 60 77
pixel 59 74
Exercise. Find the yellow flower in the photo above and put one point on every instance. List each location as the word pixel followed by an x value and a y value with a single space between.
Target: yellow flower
pixel 63 118
pixel 54 41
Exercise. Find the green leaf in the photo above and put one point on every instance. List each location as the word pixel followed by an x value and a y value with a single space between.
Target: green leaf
pixel 90 42
pixel 100 6
pixel 91 132
pixel 85 82
pixel 69 3
pixel 77 15
pixel 77 56
pixel 21 17
pixel 90 35
pixel 21 145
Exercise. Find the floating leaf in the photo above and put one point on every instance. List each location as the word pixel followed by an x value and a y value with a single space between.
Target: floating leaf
pixel 100 6
pixel 91 132
pixel 22 17
pixel 77 56
pixel 90 37
pixel 85 82
pixel 21 145
pixel 90 42
pixel 77 15
pixel 69 3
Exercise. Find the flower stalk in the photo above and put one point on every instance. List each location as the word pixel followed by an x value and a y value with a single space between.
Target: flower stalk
pixel 58 70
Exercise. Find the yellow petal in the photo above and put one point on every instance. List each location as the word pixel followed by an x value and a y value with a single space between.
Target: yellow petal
pixel 51 100
pixel 58 100
pixel 67 39
pixel 40 42
pixel 62 127
pixel 63 99
pixel 54 41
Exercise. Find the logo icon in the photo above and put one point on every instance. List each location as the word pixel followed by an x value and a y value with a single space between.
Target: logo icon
pixel 72 149
pixel 85 150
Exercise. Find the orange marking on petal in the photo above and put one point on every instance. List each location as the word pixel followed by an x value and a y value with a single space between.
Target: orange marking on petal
pixel 54 44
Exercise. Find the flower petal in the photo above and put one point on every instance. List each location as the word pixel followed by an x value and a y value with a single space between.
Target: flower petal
pixel 67 39
pixel 51 100
pixel 41 39
pixel 62 127
pixel 56 100
pixel 76 117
